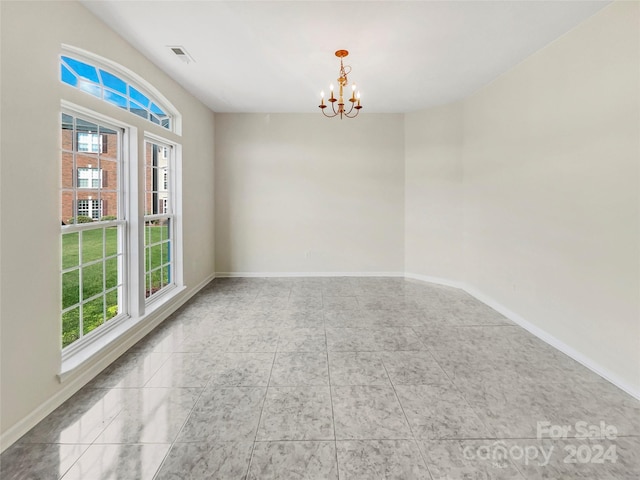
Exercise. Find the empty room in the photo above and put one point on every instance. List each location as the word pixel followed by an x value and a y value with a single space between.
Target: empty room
pixel 319 240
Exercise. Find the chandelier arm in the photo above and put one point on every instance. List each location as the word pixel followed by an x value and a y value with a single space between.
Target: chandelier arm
pixel 354 115
pixel 353 104
pixel 328 116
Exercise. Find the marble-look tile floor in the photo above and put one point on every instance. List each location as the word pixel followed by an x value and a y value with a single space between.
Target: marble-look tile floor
pixel 336 378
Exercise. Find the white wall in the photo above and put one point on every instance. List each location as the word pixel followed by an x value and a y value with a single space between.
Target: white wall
pixel 32 33
pixel 550 155
pixel 433 192
pixel 300 193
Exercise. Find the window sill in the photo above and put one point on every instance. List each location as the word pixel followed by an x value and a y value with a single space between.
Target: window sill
pixel 111 337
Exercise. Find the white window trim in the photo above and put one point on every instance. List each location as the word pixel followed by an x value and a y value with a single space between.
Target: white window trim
pixel 136 309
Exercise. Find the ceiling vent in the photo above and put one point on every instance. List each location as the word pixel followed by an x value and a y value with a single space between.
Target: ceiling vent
pixel 181 53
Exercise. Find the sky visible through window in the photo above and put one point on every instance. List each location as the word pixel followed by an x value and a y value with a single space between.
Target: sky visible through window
pixel 111 89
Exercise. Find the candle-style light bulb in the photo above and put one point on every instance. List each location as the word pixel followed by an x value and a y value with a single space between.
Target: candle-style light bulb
pixel 353 93
pixel 358 97
pixel 322 98
pixel 331 88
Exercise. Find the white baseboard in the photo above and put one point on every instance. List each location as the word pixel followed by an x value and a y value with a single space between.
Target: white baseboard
pixel 306 274
pixel 437 280
pixel 79 377
pixel 535 330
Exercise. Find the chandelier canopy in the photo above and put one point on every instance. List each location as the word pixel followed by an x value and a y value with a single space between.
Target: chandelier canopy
pixel 343 82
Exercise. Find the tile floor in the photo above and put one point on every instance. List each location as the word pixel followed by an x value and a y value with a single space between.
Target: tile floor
pixel 335 378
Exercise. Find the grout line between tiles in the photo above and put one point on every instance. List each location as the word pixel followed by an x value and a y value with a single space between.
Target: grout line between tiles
pixel 415 441
pixel 264 401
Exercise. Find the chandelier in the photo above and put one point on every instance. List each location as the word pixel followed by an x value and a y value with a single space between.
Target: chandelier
pixel 342 82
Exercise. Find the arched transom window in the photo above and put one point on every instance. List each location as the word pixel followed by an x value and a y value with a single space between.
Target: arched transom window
pixel 112 88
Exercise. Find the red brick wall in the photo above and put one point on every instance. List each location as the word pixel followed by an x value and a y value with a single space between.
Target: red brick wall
pixel 106 161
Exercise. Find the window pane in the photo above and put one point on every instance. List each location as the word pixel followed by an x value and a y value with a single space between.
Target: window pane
pixel 156 256
pixel 137 109
pixel 67 206
pixel 82 69
pixel 70 250
pixel 109 143
pixel 147 233
pixel 111 241
pixel 67 169
pixel 111 272
pixel 70 288
pixel 109 173
pixel 115 99
pixel 70 326
pixel 157 110
pixel 112 304
pixel 92 245
pixel 148 197
pixel 67 77
pixel 138 97
pixel 92 278
pixel 90 88
pixel 92 315
pixel 155 281
pixel 165 276
pixel 113 82
pixel 166 224
pixel 67 132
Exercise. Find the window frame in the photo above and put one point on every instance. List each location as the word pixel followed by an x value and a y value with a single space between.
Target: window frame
pixel 137 307
pixel 139 311
pixel 123 245
pixel 173 156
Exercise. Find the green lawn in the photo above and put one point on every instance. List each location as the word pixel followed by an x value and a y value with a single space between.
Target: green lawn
pixel 96 244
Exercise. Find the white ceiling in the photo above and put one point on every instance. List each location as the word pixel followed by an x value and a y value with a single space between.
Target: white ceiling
pixel 276 56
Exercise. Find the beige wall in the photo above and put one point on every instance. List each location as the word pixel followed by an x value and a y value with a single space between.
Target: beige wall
pixel 300 193
pixel 433 192
pixel 550 159
pixel 32 33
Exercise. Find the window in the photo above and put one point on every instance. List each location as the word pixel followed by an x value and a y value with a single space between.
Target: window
pixel 90 208
pixel 121 219
pixel 92 142
pixel 92 252
pixel 158 219
pixel 113 89
pixel 89 177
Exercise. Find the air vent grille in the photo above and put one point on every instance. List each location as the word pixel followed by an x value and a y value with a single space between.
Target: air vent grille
pixel 181 53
